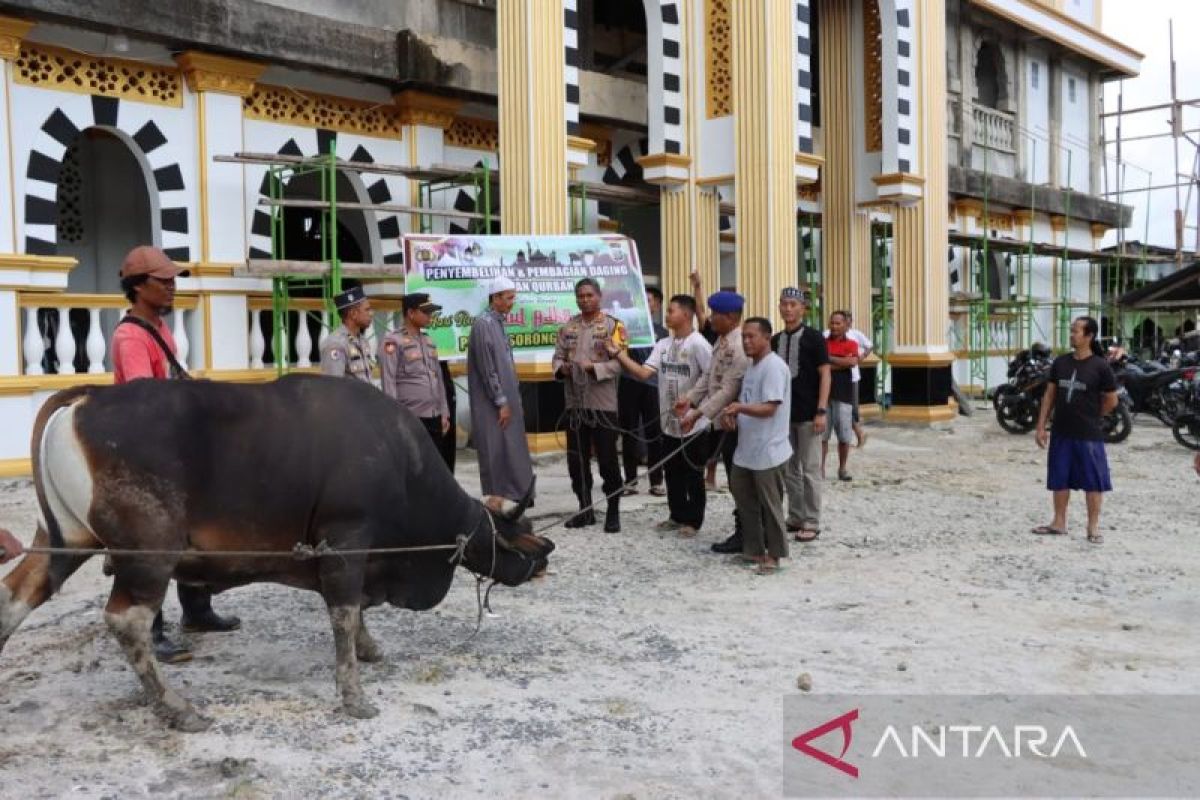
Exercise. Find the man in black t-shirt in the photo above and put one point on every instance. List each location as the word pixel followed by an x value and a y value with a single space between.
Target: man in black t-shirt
pixel 803 349
pixel 1081 391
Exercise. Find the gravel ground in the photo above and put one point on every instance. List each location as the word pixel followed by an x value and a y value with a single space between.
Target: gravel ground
pixel 643 666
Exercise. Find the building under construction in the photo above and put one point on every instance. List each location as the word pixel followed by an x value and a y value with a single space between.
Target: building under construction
pixel 935 166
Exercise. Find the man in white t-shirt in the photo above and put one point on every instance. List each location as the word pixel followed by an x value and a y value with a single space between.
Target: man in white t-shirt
pixel 865 347
pixel 761 415
pixel 678 361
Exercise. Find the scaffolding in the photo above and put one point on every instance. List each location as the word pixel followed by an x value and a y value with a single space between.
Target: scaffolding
pixel 292 278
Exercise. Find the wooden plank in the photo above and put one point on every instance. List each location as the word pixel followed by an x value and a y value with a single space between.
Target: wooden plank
pixel 433 212
pixel 261 267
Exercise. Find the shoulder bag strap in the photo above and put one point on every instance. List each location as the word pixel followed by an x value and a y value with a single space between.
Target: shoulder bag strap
pixel 177 371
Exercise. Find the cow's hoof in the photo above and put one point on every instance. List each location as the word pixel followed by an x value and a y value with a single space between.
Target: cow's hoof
pixel 360 710
pixel 190 722
pixel 370 652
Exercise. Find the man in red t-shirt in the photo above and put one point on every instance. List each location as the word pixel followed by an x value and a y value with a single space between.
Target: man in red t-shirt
pixel 148 281
pixel 843 357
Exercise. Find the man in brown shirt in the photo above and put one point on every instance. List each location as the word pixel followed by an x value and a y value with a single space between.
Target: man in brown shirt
pixel 719 387
pixel 408 362
pixel 582 362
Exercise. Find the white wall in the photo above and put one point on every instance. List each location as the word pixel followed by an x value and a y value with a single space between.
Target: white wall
pixel 1036 111
pixel 1076 130
pixel 1082 10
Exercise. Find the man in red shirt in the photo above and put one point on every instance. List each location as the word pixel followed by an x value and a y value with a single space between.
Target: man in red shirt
pixel 843 357
pixel 148 281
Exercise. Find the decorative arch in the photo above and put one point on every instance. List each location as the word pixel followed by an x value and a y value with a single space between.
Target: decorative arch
pixel 383 237
pixel 168 195
pixel 664 67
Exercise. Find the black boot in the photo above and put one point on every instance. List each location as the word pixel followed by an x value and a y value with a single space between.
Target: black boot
pixel 198 614
pixel 585 517
pixel 166 651
pixel 612 519
pixel 731 545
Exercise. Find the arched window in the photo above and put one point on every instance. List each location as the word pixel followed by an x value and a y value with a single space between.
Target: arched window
pixel 990 81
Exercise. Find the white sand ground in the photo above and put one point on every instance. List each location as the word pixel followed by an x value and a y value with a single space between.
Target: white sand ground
pixel 644 666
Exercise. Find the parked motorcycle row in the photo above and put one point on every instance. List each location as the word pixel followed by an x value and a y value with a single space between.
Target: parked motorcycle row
pixel 1166 389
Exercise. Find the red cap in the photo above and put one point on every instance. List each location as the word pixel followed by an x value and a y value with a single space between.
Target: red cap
pixel 147 260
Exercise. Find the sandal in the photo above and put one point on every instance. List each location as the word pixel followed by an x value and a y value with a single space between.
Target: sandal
pixel 800 537
pixel 768 569
pixel 1095 538
pixel 1046 530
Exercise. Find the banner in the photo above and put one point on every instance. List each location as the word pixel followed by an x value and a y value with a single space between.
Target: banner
pixel 455 270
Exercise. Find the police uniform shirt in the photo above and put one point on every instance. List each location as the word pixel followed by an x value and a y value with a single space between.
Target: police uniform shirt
pixel 411 373
pixel 580 341
pixel 346 356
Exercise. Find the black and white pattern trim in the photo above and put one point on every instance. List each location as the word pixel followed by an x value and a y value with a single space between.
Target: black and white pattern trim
pixel 571 72
pixel 906 127
pixel 670 106
pixel 60 131
pixel 318 141
pixel 803 70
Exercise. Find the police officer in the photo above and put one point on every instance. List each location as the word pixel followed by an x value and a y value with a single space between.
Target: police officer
pixel 345 353
pixel 589 372
pixel 408 362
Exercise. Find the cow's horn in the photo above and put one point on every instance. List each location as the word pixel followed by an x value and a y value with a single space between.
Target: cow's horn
pixel 525 502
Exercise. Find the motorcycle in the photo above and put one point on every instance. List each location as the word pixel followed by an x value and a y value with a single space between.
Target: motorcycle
pixel 1018 402
pixel 1186 429
pixel 1153 388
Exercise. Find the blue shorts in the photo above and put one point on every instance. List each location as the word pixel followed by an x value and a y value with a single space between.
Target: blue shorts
pixel 1077 464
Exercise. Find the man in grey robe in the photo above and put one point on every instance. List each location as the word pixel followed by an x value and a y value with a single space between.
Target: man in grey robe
pixel 497 419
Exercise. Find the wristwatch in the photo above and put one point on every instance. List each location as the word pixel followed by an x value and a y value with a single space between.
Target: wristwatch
pixel 820 412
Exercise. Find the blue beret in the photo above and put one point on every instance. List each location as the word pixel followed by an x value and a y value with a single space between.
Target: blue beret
pixel 726 302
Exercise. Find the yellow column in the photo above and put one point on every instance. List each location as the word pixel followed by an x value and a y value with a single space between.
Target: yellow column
pixel 533 139
pixel 921 357
pixel 845 229
pixel 764 177
pixel 690 225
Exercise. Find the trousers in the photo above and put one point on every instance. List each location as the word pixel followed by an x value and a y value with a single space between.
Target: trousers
pixel 803 477
pixel 588 432
pixel 441 441
pixel 637 412
pixel 759 495
pixel 686 497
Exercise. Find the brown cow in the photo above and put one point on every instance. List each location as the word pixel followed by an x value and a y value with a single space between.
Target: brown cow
pixel 192 466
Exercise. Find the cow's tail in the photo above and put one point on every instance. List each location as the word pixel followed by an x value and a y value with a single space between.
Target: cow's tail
pixel 37 576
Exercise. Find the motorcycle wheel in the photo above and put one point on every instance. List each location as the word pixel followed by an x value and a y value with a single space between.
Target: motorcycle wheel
pixel 1187 430
pixel 1000 393
pixel 1017 416
pixel 1118 425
